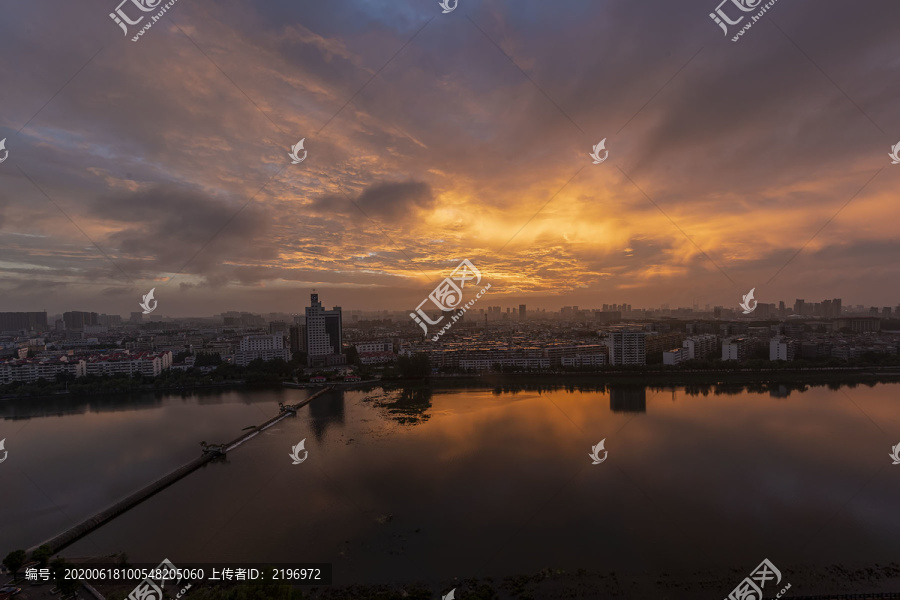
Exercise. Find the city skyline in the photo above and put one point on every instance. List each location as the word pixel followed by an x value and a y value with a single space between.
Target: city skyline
pixel 431 139
pixel 825 308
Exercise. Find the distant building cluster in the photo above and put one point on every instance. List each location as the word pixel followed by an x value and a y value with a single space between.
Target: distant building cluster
pixel 35 345
pixel 261 347
pixel 375 352
pixel 26 370
pixel 481 357
pixel 87 343
pixel 23 321
pixel 639 339
pixel 695 347
pixel 47 365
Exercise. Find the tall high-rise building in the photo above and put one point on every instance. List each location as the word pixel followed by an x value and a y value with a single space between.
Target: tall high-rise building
pixel 627 348
pixel 110 320
pixel 781 348
pixel 700 346
pixel 278 327
pixel 23 321
pixel 521 312
pixel 798 306
pixel 323 334
pixel 738 348
pixel 298 337
pixel 76 320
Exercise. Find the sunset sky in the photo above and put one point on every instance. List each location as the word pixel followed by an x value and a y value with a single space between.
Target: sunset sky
pixel 435 137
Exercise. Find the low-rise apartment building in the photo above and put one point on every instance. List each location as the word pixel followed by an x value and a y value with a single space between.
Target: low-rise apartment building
pixel 29 370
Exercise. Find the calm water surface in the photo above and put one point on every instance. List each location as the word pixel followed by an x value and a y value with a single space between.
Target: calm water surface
pixel 420 485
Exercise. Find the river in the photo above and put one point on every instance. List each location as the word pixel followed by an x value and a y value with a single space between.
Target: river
pixel 421 484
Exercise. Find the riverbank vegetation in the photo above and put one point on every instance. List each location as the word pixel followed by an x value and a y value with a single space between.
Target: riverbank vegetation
pixel 258 372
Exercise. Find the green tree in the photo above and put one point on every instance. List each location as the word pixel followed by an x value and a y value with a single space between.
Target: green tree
pixel 352 355
pixel 42 555
pixel 65 377
pixel 229 371
pixel 414 367
pixel 14 561
pixel 298 360
pixel 67 587
pixel 202 359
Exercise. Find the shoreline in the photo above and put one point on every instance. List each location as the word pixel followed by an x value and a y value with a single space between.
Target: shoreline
pixel 666 378
pixel 148 390
pixel 845 375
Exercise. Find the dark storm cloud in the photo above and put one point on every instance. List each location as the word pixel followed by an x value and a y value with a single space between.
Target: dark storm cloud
pixel 396 200
pixel 161 228
pixel 388 201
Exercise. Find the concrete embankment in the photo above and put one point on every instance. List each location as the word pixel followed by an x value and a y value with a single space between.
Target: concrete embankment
pixel 78 531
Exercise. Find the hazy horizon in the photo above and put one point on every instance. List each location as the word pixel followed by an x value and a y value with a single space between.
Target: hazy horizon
pixel 507 303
